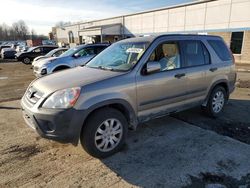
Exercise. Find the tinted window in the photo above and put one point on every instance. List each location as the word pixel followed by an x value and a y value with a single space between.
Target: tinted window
pixel 86 52
pixel 99 49
pixel 220 49
pixel 37 50
pixel 58 53
pixel 194 53
pixel 168 56
pixel 47 49
pixel 236 42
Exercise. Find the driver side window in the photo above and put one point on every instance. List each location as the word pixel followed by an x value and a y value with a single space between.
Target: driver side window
pixel 167 55
pixel 86 52
pixel 37 50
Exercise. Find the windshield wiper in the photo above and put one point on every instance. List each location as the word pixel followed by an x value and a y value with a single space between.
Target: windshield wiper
pixel 107 68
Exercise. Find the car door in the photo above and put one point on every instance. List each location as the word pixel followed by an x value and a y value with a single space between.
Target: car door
pixel 36 52
pixel 165 90
pixel 83 56
pixel 196 60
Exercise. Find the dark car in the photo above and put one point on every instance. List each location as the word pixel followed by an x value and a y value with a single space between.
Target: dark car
pixel 32 53
pixel 3 46
pixel 8 53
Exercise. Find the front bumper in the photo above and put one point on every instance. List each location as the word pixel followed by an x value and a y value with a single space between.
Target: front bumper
pixel 60 125
pixel 37 73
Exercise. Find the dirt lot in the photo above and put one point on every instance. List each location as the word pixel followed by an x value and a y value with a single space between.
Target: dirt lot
pixel 14 79
pixel 185 150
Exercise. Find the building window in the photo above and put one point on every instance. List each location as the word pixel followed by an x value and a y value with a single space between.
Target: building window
pixel 71 37
pixel 236 42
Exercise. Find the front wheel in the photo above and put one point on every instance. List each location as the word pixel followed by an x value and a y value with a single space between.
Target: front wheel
pixel 216 102
pixel 104 132
pixel 26 60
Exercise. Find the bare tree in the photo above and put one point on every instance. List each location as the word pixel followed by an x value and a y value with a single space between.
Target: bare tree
pixel 62 23
pixel 18 31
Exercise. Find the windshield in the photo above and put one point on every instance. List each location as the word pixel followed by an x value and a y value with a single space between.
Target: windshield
pixel 119 56
pixel 51 53
pixel 70 52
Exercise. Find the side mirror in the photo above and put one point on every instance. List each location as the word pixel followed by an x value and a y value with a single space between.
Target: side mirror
pixel 76 55
pixel 153 66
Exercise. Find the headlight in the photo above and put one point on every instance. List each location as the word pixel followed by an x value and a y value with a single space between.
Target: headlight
pixel 43 71
pixel 65 98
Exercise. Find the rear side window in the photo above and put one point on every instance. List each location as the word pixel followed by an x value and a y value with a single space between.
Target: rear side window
pixel 194 54
pixel 38 50
pixel 47 49
pixel 220 49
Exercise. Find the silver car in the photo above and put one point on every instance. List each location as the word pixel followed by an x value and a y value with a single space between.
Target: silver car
pixel 53 53
pixel 130 82
pixel 73 57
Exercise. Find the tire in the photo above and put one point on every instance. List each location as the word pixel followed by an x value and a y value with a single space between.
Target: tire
pixel 216 102
pixel 26 60
pixel 94 140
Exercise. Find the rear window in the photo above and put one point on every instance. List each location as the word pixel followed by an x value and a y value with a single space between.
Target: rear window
pixel 220 49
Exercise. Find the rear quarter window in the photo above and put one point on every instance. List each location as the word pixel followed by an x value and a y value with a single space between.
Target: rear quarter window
pixel 221 49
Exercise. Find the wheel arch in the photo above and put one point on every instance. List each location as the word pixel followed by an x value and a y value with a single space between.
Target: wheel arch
pixel 223 83
pixel 60 67
pixel 119 104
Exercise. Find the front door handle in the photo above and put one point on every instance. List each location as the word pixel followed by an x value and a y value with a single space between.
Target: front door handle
pixel 179 75
pixel 213 69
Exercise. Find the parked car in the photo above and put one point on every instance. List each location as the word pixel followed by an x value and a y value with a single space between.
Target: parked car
pixel 53 53
pixel 132 81
pixel 22 48
pixel 4 46
pixel 76 56
pixel 32 53
pixel 8 53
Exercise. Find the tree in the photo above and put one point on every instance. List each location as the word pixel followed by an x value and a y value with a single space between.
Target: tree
pixel 20 30
pixel 62 23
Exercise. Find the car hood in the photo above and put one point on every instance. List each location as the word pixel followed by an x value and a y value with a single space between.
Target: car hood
pixel 39 57
pixel 75 77
pixel 44 61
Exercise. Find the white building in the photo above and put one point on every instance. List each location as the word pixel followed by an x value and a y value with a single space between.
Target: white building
pixel 227 18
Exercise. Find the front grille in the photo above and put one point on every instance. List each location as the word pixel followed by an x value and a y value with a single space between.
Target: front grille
pixel 33 95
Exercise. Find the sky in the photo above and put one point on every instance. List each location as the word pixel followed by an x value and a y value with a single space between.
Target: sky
pixel 41 15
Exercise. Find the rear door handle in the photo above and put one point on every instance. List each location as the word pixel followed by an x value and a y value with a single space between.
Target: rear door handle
pixel 213 69
pixel 180 75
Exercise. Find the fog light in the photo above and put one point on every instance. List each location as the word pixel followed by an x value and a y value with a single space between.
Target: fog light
pixel 43 71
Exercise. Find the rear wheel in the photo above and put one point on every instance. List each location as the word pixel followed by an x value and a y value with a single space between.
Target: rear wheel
pixel 104 133
pixel 26 60
pixel 216 102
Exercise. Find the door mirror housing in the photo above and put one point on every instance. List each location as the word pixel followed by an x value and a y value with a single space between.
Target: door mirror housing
pixel 153 66
pixel 76 55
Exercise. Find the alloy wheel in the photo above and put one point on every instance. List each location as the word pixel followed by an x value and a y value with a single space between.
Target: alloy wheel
pixel 108 135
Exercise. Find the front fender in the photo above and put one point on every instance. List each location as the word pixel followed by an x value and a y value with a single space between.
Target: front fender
pixel 99 101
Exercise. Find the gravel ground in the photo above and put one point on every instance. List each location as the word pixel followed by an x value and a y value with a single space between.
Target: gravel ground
pixel 186 150
pixel 14 79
